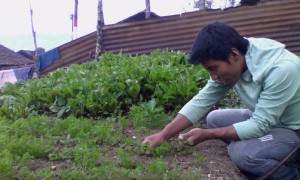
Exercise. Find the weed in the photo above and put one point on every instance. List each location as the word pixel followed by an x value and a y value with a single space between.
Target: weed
pixel 86 158
pixel 124 159
pixel 25 159
pixel 201 159
pixel 162 149
pixel 123 122
pixel 6 165
pixel 46 173
pixel 25 173
pixel 158 166
pixel 37 147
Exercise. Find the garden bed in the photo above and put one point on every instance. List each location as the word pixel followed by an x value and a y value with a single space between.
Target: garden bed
pixel 88 121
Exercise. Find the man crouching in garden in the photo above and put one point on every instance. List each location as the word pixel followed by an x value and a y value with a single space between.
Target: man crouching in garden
pixel 266 78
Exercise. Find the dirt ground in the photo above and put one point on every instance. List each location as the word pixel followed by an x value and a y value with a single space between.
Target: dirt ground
pixel 217 161
pixel 216 165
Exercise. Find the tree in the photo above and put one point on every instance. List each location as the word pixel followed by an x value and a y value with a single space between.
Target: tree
pixel 100 25
pixel 209 4
pixel 147 12
pixel 200 4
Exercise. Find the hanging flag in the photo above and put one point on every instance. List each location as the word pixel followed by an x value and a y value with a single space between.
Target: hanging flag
pixel 75 14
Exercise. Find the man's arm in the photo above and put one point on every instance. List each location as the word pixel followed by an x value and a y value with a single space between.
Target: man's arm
pixel 177 125
pixel 277 104
pixel 199 135
pixel 191 112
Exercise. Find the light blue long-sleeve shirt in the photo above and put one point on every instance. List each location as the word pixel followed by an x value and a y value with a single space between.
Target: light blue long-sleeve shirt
pixel 270 88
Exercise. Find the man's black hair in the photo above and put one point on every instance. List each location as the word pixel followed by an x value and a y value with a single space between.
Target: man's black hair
pixel 215 41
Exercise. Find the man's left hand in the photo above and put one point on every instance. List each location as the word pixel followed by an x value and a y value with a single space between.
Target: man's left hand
pixel 194 136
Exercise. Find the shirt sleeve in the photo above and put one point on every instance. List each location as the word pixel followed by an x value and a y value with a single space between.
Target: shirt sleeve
pixel 278 88
pixel 200 104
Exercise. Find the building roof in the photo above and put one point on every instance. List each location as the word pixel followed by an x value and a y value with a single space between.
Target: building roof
pixel 277 19
pixel 139 17
pixel 31 54
pixel 27 53
pixel 10 59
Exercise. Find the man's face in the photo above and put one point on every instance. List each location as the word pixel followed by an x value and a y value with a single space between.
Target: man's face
pixel 226 72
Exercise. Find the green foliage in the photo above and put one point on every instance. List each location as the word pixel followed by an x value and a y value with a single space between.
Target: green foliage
pixel 230 100
pixel 158 166
pixel 124 159
pixel 107 87
pixel 60 106
pixel 37 147
pixel 161 150
pixel 86 157
pixel 201 159
pixel 33 125
pixel 148 115
pixel 73 127
pixel 123 122
pixel 6 165
pixel 80 116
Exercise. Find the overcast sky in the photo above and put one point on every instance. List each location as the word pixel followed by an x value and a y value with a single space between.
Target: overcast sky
pixel 51 18
pixel 52 23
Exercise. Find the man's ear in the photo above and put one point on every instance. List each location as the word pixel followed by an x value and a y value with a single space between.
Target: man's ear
pixel 235 52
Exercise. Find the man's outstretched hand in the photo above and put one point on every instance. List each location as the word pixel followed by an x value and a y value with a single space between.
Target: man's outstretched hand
pixel 177 125
pixel 153 140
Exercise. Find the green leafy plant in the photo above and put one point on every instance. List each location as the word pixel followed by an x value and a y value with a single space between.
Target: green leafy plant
pixel 6 165
pixel 158 166
pixel 230 100
pixel 125 160
pixel 37 147
pixel 162 149
pixel 107 87
pixel 86 157
pixel 60 106
pixel 148 115
pixel 201 159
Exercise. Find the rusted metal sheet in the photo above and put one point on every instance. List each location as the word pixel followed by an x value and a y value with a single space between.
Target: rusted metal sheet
pixel 277 19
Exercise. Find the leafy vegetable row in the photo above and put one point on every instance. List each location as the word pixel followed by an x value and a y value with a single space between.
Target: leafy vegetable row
pixel 109 86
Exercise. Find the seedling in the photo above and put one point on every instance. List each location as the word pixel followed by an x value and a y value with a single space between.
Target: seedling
pixel 201 159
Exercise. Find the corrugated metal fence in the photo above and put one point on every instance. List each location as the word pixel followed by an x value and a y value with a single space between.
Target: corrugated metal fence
pixel 277 19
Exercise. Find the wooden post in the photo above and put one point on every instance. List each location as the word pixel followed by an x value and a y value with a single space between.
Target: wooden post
pixel 32 27
pixel 201 5
pixel 147 13
pixel 100 25
pixel 34 40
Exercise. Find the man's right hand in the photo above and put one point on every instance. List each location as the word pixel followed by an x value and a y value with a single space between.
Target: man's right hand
pixel 154 140
pixel 177 125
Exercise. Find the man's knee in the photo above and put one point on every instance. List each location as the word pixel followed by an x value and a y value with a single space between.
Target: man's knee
pixel 241 157
pixel 226 117
pixel 211 118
